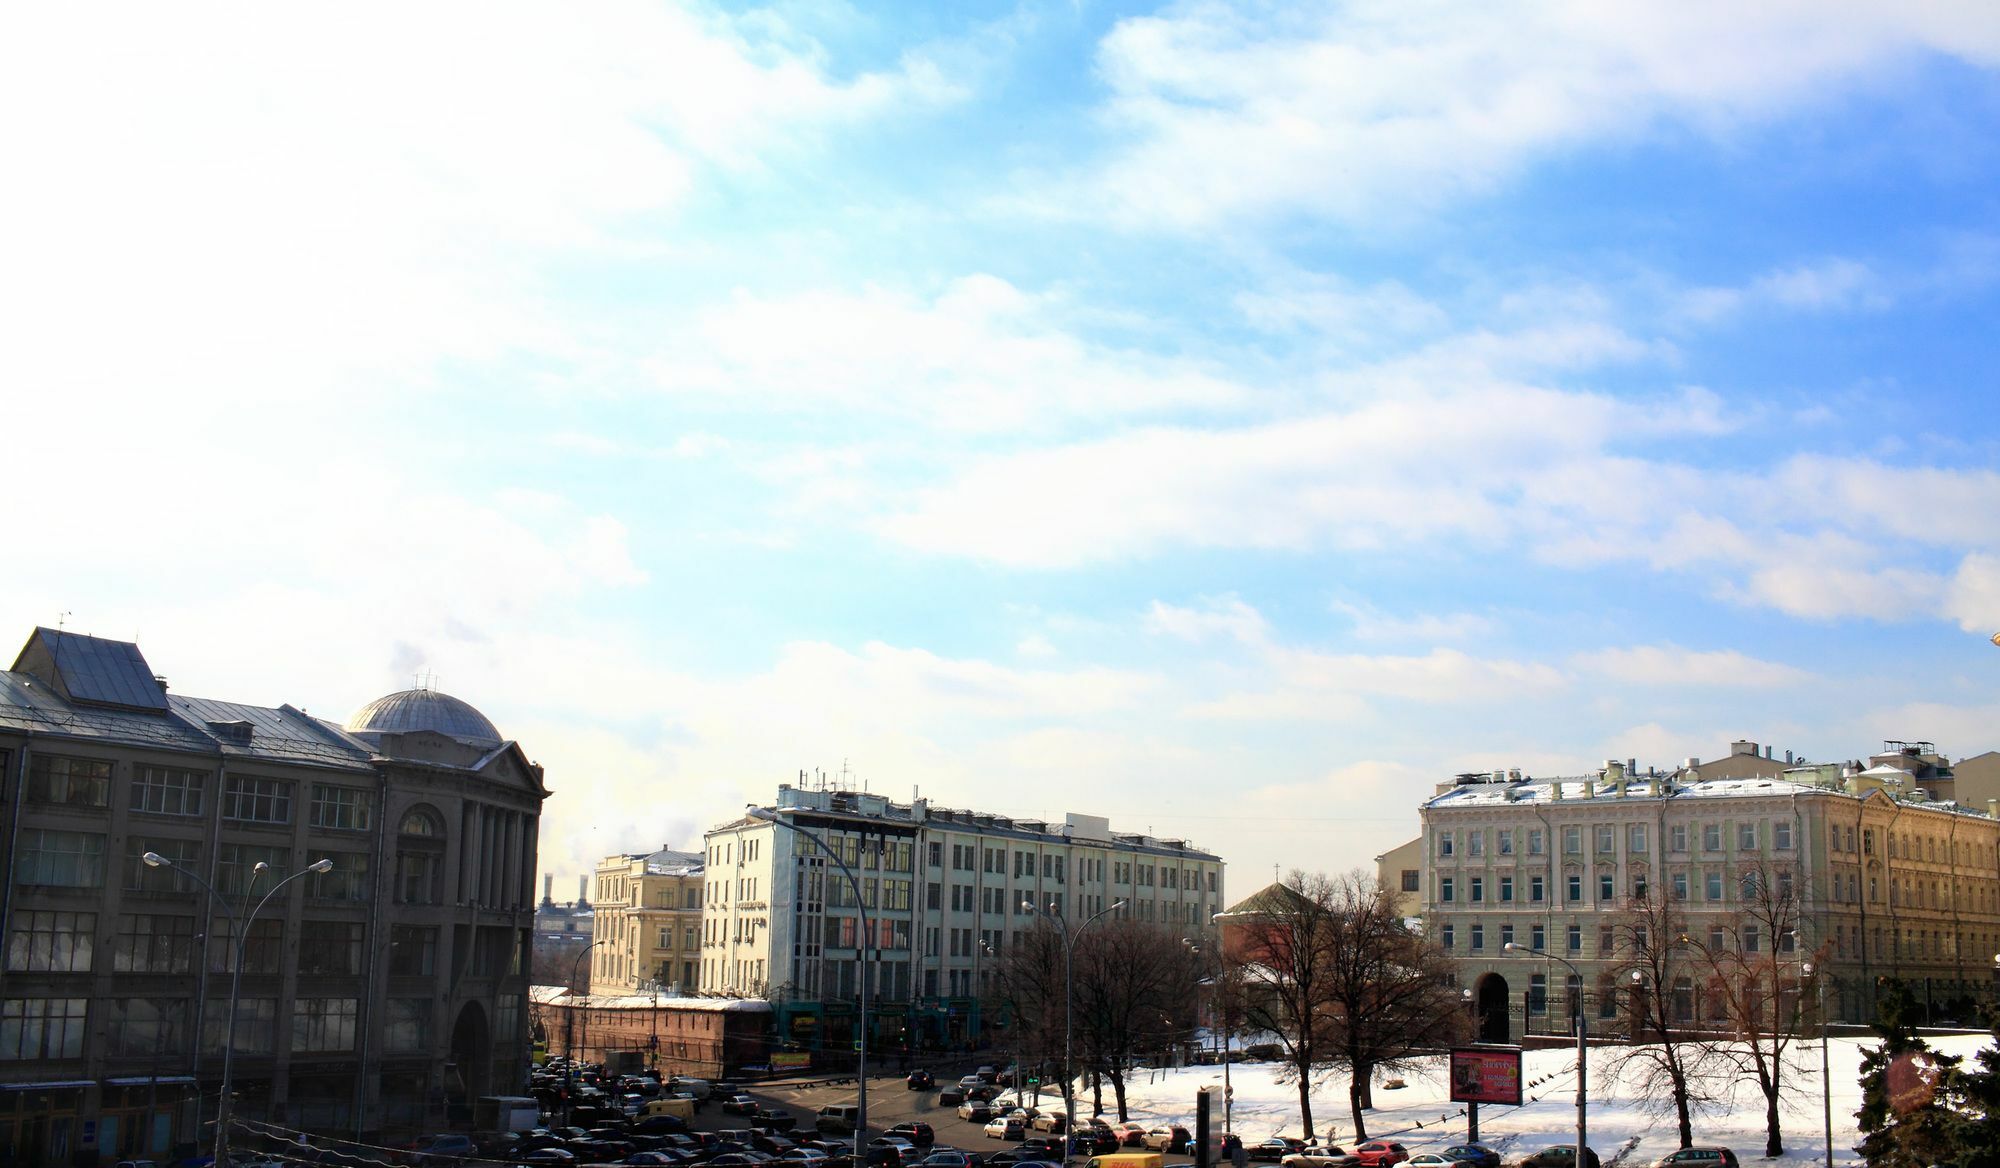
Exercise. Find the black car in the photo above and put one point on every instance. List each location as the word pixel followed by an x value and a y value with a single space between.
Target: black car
pixel 1560 1156
pixel 1272 1150
pixel 951 1097
pixel 1477 1155
pixel 1097 1141
pixel 921 1081
pixel 919 1134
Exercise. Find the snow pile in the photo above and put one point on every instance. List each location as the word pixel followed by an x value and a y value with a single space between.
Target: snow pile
pixel 1621 1130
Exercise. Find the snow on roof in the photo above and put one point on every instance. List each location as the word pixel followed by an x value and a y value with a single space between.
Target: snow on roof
pixel 550 995
pixel 1493 794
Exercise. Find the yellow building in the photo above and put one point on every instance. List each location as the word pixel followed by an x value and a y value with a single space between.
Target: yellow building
pixel 1400 873
pixel 648 923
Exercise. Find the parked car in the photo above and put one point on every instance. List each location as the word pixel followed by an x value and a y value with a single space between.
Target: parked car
pixel 970 1081
pixel 1699 1157
pixel 975 1111
pixel 1559 1156
pixel 1005 1128
pixel 1321 1156
pixel 949 1158
pixel 1477 1155
pixel 1435 1160
pixel 1052 1122
pixel 988 1074
pixel 1130 1135
pixel 920 1081
pixel 1170 1139
pixel 1381 1153
pixel 1273 1150
pixel 1095 1141
pixel 546 1156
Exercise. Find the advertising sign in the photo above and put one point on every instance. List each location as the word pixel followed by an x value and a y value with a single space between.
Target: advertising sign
pixel 1486 1074
pixel 795 1060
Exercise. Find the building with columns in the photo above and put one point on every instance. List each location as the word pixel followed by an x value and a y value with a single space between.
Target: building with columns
pixel 1889 881
pixel 379 997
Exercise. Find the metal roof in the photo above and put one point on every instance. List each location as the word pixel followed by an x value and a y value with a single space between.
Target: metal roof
pixel 424 709
pixel 105 672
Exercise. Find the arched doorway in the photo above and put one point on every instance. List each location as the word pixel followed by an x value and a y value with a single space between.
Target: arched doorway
pixel 1489 1004
pixel 471 1057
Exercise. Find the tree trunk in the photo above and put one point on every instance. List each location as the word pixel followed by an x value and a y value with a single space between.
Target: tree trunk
pixel 1679 1078
pixel 1118 1092
pixel 1354 1083
pixel 1096 1093
pixel 1305 1099
pixel 1774 1142
pixel 1365 1082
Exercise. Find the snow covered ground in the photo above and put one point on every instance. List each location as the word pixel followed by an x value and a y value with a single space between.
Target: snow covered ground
pixel 1623 1129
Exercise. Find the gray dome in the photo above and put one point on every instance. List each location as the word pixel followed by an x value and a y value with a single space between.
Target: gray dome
pixel 424 709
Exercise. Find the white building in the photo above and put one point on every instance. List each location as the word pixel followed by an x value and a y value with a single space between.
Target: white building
pixel 944 890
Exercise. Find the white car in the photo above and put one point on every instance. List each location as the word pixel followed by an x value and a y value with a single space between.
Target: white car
pixel 1005 1128
pixel 1326 1157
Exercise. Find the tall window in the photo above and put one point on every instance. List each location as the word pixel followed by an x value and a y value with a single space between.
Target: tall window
pixel 256 1025
pixel 1607 837
pixel 51 942
pixel 236 871
pixel 1572 841
pixel 60 859
pixel 1677 838
pixel 167 790
pixel 141 877
pixel 148 1026
pixel 1504 840
pixel 33 1029
pixel 1635 838
pixel 72 782
pixel 153 944
pixel 1746 837
pixel 336 808
pixel 248 799
pixel 1534 841
pixel 1711 837
pixel 1781 835
pixel 409 1025
pixel 328 948
pixel 417 873
pixel 263 949
pixel 348 881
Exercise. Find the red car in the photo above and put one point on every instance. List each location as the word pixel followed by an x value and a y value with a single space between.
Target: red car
pixel 1381 1153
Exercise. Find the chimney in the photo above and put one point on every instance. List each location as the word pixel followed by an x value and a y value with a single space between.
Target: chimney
pixel 582 889
pixel 1556 789
pixel 1589 787
pixel 549 888
pixel 1788 758
pixel 1993 808
pixel 1743 746
pixel 1767 752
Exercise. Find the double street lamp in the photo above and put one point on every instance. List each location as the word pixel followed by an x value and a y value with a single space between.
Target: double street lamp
pixel 1582 1051
pixel 861 1044
pixel 569 1028
pixel 1069 937
pixel 240 925
pixel 1825 1060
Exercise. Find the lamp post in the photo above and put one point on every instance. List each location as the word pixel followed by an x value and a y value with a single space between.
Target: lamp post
pixel 1825 1060
pixel 1582 1051
pixel 569 1029
pixel 1222 1008
pixel 1069 993
pixel 240 925
pixel 861 1045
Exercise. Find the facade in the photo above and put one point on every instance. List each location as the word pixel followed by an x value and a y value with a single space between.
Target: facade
pixel 944 890
pixel 707 1038
pixel 648 923
pixel 1888 882
pixel 1400 872
pixel 376 997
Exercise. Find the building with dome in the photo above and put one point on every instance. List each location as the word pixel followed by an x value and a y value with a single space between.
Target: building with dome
pixel 377 999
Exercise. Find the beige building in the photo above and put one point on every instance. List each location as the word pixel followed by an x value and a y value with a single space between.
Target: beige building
pixel 1400 873
pixel 647 923
pixel 1891 882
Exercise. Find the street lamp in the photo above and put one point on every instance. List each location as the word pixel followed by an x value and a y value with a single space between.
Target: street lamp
pixel 241 926
pixel 1222 1008
pixel 1069 995
pixel 861 1045
pixel 1825 1061
pixel 569 1028
pixel 1582 1051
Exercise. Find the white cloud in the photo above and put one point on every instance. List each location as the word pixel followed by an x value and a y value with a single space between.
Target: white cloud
pixel 979 355
pixel 1377 108
pixel 1830 285
pixel 1226 617
pixel 1673 665
pixel 1372 624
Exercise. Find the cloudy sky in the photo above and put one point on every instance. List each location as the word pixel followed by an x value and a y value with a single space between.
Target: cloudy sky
pixel 1230 418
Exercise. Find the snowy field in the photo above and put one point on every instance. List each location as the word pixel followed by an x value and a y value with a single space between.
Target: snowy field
pixel 1623 1129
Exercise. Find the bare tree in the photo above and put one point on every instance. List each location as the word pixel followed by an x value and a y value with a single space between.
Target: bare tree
pixel 1031 980
pixel 1387 993
pixel 1281 949
pixel 1673 1065
pixel 1752 959
pixel 1136 987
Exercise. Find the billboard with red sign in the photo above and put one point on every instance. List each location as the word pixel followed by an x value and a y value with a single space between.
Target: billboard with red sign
pixel 1486 1074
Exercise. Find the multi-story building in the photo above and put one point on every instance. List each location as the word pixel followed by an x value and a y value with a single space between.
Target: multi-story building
pixel 648 923
pixel 944 891
pixel 1887 881
pixel 1400 873
pixel 373 996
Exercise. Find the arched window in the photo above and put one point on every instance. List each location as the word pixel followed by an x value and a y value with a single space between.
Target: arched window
pixel 423 822
pixel 419 856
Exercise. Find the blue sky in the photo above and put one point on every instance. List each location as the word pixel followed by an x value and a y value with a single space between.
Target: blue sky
pixel 1230 418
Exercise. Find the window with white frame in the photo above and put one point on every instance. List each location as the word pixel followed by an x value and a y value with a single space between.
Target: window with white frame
pixel 167 790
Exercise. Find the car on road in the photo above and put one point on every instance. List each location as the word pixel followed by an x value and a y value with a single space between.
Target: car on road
pixel 1273 1150
pixel 1052 1122
pixel 951 1097
pixel 988 1074
pixel 1381 1153
pixel 1171 1139
pixel 1092 1141
pixel 1005 1128
pixel 1019 1156
pixel 1477 1155
pixel 1699 1157
pixel 975 1111
pixel 949 1158
pixel 1321 1156
pixel 919 1134
pixel 920 1081
pixel 1130 1135
pixel 546 1156
pixel 738 1105
pixel 987 1091
pixel 1559 1156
